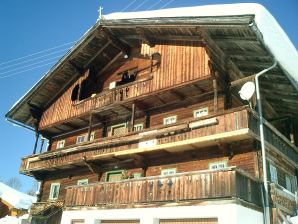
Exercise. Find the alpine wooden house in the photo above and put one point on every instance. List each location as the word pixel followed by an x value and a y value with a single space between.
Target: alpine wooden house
pixel 145 123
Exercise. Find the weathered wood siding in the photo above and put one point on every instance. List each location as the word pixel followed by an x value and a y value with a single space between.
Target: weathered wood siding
pixel 155 120
pixel 180 62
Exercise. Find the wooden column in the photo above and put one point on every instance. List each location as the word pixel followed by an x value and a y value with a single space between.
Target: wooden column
pixel 147 120
pixel 215 95
pixel 36 142
pixel 104 129
pixel 90 126
pixel 41 146
pixel 133 112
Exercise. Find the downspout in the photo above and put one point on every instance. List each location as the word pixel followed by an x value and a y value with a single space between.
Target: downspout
pixel 261 125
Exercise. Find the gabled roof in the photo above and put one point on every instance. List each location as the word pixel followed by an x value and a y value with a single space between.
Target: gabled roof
pixel 246 33
pixel 15 198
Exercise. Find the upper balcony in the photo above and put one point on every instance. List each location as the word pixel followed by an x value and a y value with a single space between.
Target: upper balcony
pixel 189 134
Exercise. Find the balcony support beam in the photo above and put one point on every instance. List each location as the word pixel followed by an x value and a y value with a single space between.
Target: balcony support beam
pixel 133 113
pixel 90 126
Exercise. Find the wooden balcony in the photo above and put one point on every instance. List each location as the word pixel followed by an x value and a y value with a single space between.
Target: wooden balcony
pixel 228 126
pixel 230 183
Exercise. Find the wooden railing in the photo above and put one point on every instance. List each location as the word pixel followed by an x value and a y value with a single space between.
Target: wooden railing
pixel 236 122
pixel 274 138
pixel 118 94
pixel 199 185
pixel 216 126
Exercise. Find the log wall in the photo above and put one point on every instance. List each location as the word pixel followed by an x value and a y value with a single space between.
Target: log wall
pixel 180 62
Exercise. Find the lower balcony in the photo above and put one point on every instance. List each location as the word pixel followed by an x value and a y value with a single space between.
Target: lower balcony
pixel 190 187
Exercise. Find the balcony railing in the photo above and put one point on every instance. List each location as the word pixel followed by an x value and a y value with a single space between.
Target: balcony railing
pixel 229 183
pixel 229 125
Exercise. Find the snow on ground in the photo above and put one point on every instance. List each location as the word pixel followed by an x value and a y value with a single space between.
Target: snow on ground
pixel 9 220
pixel 17 199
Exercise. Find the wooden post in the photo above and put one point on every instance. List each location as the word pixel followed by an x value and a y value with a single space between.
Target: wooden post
pixel 292 139
pixel 133 112
pixel 41 146
pixel 147 120
pixel 104 129
pixel 215 95
pixel 36 142
pixel 90 126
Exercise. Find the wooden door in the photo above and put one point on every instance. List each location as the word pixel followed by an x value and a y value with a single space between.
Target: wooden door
pixel 189 221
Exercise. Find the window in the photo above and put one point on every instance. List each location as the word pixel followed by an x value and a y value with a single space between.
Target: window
pixel 290 183
pixel 60 144
pixel 138 127
pixel 83 182
pixel 137 175
pixel 200 112
pixel 166 172
pixel 119 129
pixel 273 174
pixel 54 191
pixel 218 165
pixel 170 120
pixel 114 176
pixel 84 138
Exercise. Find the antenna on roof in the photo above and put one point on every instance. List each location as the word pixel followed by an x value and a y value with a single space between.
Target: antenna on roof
pixel 100 13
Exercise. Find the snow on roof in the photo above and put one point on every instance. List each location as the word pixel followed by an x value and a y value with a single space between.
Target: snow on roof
pixel 17 199
pixel 275 39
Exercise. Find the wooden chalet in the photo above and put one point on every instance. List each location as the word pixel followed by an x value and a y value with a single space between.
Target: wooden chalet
pixel 145 123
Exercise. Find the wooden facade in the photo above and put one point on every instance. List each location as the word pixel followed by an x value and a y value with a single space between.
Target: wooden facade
pixel 151 116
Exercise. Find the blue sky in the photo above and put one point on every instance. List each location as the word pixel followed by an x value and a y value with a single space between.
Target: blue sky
pixel 31 26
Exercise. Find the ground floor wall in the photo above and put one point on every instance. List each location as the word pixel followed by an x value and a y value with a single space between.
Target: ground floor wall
pixel 221 213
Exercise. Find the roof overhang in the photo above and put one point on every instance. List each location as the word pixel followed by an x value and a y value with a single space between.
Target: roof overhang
pixel 246 34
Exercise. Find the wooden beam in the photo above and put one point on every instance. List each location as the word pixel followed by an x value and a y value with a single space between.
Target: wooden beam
pixel 215 100
pixel 90 126
pixel 92 167
pixel 132 121
pixel 177 94
pixel 110 63
pixel 77 67
pixel 115 41
pixel 139 161
pixel 243 80
pixel 95 55
pixel 145 37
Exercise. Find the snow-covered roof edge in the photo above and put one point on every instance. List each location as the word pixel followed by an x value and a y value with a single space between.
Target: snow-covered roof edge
pixel 16 198
pixel 274 37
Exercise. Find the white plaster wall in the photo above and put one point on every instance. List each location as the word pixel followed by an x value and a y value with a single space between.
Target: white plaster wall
pixel 226 214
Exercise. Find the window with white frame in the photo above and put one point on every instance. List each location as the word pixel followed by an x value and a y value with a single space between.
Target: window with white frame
pixel 218 165
pixel 60 144
pixel 83 182
pixel 138 127
pixel 84 138
pixel 273 174
pixel 119 129
pixel 54 191
pixel 170 120
pixel 200 112
pixel 166 172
